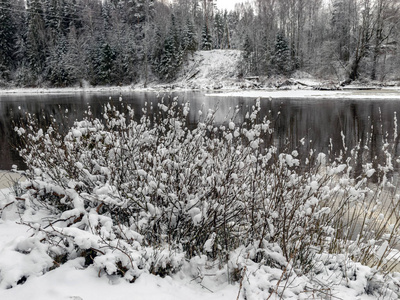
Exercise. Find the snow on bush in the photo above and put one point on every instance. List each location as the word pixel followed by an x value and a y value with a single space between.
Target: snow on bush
pixel 156 194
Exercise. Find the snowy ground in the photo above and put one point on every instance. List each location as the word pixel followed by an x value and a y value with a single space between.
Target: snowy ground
pixel 230 91
pixel 72 281
pixel 69 90
pixel 383 94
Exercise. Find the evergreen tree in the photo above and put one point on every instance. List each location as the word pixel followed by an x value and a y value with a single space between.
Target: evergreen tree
pixel 265 55
pixel 7 39
pixel 206 41
pixel 60 72
pixel 130 60
pixel 106 67
pixel 226 36
pixel 106 14
pixel 247 56
pixel 167 64
pixel 247 47
pixel 281 60
pixel 74 57
pixel 189 38
pixel 219 29
pixel 51 16
pixel 36 37
pixel 73 17
pixel 19 17
pixel 172 54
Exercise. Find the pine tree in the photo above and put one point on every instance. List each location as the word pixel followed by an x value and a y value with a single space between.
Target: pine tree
pixel 7 39
pixel 281 60
pixel 172 54
pixel 106 64
pixel 226 36
pixel 206 42
pixel 36 37
pixel 247 56
pixel 247 47
pixel 167 64
pixel 189 38
pixel 219 29
pixel 74 57
pixel 106 15
pixel 58 70
pixel 51 16
pixel 266 55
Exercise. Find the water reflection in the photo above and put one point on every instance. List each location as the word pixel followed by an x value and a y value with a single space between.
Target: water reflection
pixel 369 123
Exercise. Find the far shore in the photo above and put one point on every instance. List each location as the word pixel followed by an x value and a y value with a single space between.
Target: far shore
pixel 370 94
pixel 298 92
pixel 67 90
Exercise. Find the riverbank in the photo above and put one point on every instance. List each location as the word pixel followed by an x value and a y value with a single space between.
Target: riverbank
pixel 67 90
pixel 370 94
pixel 373 93
pixel 219 71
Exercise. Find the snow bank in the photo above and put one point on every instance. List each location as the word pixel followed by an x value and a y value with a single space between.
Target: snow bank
pixel 68 90
pixel 213 68
pixel 385 94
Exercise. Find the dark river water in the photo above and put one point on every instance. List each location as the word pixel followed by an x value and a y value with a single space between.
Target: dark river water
pixel 325 124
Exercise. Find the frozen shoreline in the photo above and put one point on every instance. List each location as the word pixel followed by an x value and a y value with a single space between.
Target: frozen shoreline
pixel 378 94
pixel 69 90
pixel 228 91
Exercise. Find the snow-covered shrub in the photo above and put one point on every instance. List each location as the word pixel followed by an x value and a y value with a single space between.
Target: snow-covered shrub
pixel 142 195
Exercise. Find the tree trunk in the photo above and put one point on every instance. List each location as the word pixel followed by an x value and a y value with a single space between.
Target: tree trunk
pixel 354 69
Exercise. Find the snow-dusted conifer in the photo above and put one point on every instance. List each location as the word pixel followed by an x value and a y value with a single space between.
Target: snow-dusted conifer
pixel 189 37
pixel 7 38
pixel 172 53
pixel 281 60
pixel 206 39
pixel 219 28
pixel 36 39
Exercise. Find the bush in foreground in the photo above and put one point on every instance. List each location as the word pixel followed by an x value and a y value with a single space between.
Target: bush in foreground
pixel 150 195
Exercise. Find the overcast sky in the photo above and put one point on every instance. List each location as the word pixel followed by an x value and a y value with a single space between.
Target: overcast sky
pixel 228 4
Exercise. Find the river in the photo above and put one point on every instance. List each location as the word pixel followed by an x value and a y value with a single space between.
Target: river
pixel 321 123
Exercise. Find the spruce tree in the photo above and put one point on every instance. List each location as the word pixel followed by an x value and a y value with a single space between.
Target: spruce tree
pixel 218 31
pixel 226 37
pixel 281 60
pixel 51 15
pixel 74 58
pixel 206 42
pixel 106 70
pixel 247 56
pixel 172 53
pixel 189 38
pixel 247 47
pixel 36 37
pixel 58 69
pixel 7 39
pixel 266 55
pixel 167 64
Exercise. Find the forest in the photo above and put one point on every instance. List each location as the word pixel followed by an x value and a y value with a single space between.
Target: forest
pixel 114 42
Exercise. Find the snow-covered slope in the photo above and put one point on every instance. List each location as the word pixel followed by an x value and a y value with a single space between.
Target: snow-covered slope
pixel 213 69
